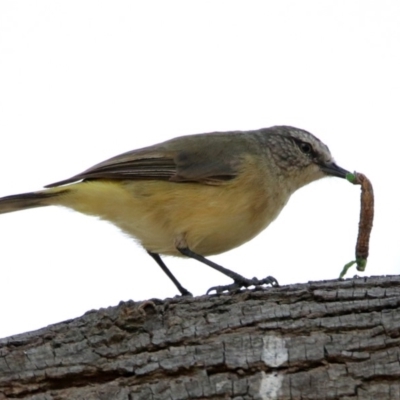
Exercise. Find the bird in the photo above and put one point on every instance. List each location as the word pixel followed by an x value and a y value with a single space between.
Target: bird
pixel 195 195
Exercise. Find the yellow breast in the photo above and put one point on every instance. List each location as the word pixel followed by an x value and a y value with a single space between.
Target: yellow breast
pixel 162 215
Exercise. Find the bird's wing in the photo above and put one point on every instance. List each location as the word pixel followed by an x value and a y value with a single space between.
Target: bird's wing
pixel 193 158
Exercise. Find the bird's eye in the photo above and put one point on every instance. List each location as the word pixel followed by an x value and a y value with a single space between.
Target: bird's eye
pixel 306 148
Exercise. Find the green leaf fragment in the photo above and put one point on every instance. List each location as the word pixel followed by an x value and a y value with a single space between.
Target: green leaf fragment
pixel 361 264
pixel 346 268
pixel 351 178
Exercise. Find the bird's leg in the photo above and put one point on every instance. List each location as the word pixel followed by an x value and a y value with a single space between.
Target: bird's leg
pixel 157 259
pixel 239 281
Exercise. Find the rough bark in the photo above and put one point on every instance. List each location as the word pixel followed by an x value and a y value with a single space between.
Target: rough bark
pixel 321 340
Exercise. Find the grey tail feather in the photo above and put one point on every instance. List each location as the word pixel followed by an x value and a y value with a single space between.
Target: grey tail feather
pixel 26 200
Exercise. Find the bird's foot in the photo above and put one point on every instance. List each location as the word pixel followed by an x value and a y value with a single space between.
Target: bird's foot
pixel 185 292
pixel 244 282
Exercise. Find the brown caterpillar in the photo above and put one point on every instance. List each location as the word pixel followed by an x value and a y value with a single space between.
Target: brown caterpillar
pixel 365 224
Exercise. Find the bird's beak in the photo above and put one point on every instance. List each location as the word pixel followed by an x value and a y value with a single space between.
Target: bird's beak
pixel 332 169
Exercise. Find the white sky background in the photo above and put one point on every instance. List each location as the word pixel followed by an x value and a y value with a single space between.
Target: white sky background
pixel 81 81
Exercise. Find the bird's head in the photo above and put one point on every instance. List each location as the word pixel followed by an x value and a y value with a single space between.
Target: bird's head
pixel 301 156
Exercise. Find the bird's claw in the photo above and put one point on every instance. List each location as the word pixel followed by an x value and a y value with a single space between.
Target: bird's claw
pixel 238 284
pixel 185 292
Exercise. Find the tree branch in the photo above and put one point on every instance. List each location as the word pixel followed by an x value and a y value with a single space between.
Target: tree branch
pixel 321 340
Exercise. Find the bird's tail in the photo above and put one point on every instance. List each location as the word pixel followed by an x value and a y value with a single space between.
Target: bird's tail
pixel 29 200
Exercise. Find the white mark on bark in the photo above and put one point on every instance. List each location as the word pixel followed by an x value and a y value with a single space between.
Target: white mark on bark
pixel 270 385
pixel 274 352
